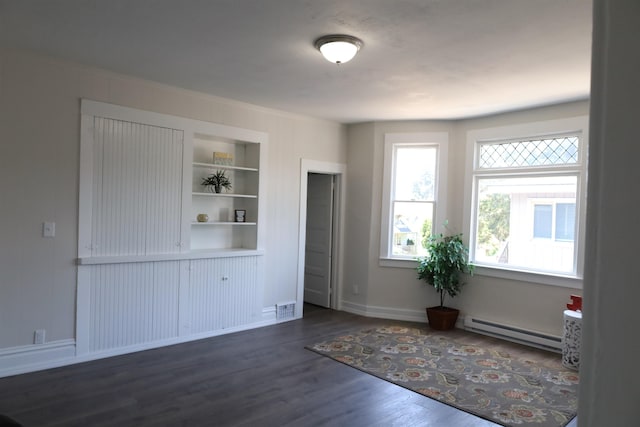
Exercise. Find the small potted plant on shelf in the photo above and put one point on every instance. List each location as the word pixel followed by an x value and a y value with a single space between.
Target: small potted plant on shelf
pixel 217 181
pixel 445 262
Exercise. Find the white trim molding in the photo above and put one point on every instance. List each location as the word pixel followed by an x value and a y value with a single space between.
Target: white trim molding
pixel 269 315
pixel 578 125
pixel 339 170
pixel 439 140
pixel 36 357
pixel 385 312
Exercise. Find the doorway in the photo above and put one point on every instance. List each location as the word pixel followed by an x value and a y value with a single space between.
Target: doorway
pixel 318 251
pixel 320 237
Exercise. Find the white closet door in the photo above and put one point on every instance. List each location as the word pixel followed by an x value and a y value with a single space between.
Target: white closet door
pixel 137 188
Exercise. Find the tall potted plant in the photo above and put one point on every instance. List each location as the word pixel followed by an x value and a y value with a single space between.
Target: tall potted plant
pixel 445 262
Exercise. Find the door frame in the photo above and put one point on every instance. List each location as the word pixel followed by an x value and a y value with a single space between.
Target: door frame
pixel 338 170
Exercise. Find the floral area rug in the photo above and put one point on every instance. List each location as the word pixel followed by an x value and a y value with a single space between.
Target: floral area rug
pixel 503 383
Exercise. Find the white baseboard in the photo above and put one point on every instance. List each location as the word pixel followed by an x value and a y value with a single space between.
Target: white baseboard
pixel 36 357
pixel 385 312
pixel 419 316
pixel 269 314
pixel 32 358
pixel 167 342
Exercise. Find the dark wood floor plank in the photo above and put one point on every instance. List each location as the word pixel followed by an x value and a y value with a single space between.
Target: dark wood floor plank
pixel 258 377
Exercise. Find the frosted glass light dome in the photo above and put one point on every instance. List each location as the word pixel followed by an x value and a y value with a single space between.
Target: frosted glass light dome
pixel 338 48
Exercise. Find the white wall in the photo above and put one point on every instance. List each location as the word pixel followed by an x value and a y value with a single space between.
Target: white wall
pixel 358 216
pixel 395 292
pixel 382 291
pixel 39 159
pixel 610 346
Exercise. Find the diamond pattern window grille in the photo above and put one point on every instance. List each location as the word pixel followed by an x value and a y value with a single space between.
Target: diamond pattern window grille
pixel 535 152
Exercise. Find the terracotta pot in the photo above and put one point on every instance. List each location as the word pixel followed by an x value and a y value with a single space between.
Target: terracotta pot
pixel 442 318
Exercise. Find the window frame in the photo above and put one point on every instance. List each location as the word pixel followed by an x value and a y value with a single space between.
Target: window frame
pixel 555 222
pixel 523 132
pixel 553 203
pixel 439 140
pixel 535 205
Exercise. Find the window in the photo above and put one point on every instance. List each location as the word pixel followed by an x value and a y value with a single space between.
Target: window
pixel 413 184
pixel 542 221
pixel 554 221
pixel 565 221
pixel 527 201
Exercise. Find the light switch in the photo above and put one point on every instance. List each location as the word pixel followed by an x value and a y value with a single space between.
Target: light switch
pixel 48 229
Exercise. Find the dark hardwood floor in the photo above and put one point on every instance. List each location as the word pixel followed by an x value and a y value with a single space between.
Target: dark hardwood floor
pixel 261 377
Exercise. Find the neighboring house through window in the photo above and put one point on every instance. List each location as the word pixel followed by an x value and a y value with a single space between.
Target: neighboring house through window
pixel 527 198
pixel 413 193
pixel 554 220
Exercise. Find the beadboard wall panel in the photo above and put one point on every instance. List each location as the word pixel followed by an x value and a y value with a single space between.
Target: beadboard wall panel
pixel 137 188
pixel 133 303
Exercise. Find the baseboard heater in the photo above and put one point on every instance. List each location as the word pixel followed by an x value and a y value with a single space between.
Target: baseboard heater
pixel 512 333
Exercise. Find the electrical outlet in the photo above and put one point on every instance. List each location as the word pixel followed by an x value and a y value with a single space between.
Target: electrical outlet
pixel 39 336
pixel 48 229
pixel 355 289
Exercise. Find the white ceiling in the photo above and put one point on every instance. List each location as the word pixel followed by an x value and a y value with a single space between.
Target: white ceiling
pixel 422 59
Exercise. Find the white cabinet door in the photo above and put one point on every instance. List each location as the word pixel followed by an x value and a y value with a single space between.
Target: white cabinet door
pixel 136 192
pixel 223 293
pixel 317 267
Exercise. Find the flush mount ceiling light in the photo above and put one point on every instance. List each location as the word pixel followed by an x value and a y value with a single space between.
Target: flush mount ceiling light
pixel 338 48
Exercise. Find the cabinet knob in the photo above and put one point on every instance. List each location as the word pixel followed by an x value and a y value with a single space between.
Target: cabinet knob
pixel 225 277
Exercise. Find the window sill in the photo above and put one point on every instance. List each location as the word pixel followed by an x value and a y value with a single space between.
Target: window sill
pixel 502 273
pixel 530 277
pixel 398 262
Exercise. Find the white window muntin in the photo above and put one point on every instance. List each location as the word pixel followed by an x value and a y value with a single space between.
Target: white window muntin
pixel 438 140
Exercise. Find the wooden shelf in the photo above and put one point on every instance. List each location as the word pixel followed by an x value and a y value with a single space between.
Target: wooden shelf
pixel 228 167
pixel 222 223
pixel 246 196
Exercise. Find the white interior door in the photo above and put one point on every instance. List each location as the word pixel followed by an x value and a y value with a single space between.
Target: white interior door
pixel 318 246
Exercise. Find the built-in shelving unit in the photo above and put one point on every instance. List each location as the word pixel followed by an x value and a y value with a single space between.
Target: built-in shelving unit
pixel 222 231
pixel 149 273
